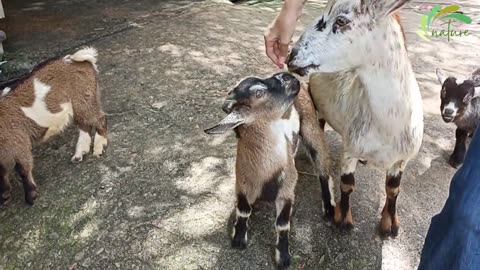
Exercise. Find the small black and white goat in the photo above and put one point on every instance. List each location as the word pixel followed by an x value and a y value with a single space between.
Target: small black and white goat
pixel 460 105
pixel 269 117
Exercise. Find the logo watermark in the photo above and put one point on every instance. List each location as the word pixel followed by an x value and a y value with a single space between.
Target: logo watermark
pixel 447 15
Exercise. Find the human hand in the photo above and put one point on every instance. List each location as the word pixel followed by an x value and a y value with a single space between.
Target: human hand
pixel 280 32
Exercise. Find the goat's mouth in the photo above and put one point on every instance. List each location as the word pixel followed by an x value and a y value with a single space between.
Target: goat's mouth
pixel 448 118
pixel 303 71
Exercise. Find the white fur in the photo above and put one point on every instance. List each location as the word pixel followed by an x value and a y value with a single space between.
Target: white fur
pixel 83 146
pixel 277 255
pixel 86 54
pixel 285 227
pixel 258 87
pixel 38 112
pixel 374 100
pixel 241 214
pixel 99 144
pixel 283 130
pixel 330 189
pixel 5 91
pixel 452 106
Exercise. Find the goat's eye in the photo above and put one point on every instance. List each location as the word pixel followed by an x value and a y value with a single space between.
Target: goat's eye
pixel 341 21
pixel 259 93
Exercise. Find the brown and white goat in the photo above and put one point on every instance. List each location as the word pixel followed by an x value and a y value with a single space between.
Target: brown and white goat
pixel 460 105
pixel 42 104
pixel 364 87
pixel 269 117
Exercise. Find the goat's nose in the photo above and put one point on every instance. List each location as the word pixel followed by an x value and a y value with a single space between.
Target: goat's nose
pixel 448 111
pixel 291 58
pixel 288 77
pixel 228 105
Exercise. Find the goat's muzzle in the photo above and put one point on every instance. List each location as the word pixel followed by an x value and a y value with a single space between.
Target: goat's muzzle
pixel 228 105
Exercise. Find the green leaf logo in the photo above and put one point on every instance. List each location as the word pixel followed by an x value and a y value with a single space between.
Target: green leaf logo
pixel 438 13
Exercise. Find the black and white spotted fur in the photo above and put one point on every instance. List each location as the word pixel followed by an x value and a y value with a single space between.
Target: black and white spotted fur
pixel 460 105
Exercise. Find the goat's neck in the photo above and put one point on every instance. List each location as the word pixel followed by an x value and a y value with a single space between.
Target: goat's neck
pixel 387 74
pixel 255 135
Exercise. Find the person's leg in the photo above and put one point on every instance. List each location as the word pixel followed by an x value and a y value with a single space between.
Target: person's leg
pixel 453 239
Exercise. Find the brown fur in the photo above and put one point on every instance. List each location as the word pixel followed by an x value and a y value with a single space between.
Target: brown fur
pixel 260 168
pixel 398 19
pixel 74 82
pixel 256 161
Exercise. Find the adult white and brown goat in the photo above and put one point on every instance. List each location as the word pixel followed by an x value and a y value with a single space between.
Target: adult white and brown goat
pixel 365 89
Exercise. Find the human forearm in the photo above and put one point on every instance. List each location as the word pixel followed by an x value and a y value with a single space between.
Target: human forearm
pixel 295 6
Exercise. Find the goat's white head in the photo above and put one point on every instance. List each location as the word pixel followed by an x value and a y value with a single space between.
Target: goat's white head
pixel 346 36
pixel 254 99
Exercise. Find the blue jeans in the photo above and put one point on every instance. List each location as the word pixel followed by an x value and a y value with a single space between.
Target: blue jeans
pixel 453 240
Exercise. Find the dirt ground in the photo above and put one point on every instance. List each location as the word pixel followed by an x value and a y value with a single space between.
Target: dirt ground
pixel 162 196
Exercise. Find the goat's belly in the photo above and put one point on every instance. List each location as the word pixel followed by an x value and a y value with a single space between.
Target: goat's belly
pixel 382 150
pixel 54 122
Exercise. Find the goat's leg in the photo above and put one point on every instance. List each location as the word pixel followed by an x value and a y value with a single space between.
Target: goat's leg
pixel 314 140
pixel 100 141
pixel 456 159
pixel 83 144
pixel 322 123
pixel 243 212
pixel 319 156
pixel 282 224
pixel 343 214
pixel 5 186
pixel 24 170
pixel 390 223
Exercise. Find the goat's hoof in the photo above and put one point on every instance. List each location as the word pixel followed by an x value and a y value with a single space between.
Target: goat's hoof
pixel 455 161
pixel 98 152
pixel 389 227
pixel 343 223
pixel 76 159
pixel 329 213
pixel 5 199
pixel 345 226
pixel 31 196
pixel 99 146
pixel 283 260
pixel 390 232
pixel 239 243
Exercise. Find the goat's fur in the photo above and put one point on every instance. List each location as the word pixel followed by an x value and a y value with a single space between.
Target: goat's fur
pixel 41 105
pixel 268 138
pixel 460 104
pixel 364 87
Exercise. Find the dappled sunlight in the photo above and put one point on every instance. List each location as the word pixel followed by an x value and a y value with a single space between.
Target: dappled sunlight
pixel 163 196
pixel 203 176
pixel 394 256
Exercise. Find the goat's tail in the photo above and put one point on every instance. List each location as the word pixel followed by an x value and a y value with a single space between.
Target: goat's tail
pixel 88 54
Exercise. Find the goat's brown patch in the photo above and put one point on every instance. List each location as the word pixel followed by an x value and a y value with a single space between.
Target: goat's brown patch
pixel 398 19
pixel 389 223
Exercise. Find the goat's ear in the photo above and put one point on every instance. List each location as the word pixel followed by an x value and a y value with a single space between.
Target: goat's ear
pixel 231 121
pixel 441 75
pixel 471 95
pixel 386 7
pixel 477 92
pixel 475 77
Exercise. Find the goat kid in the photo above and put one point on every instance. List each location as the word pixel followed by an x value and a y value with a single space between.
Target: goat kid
pixel 269 117
pixel 41 105
pixel 364 87
pixel 460 104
